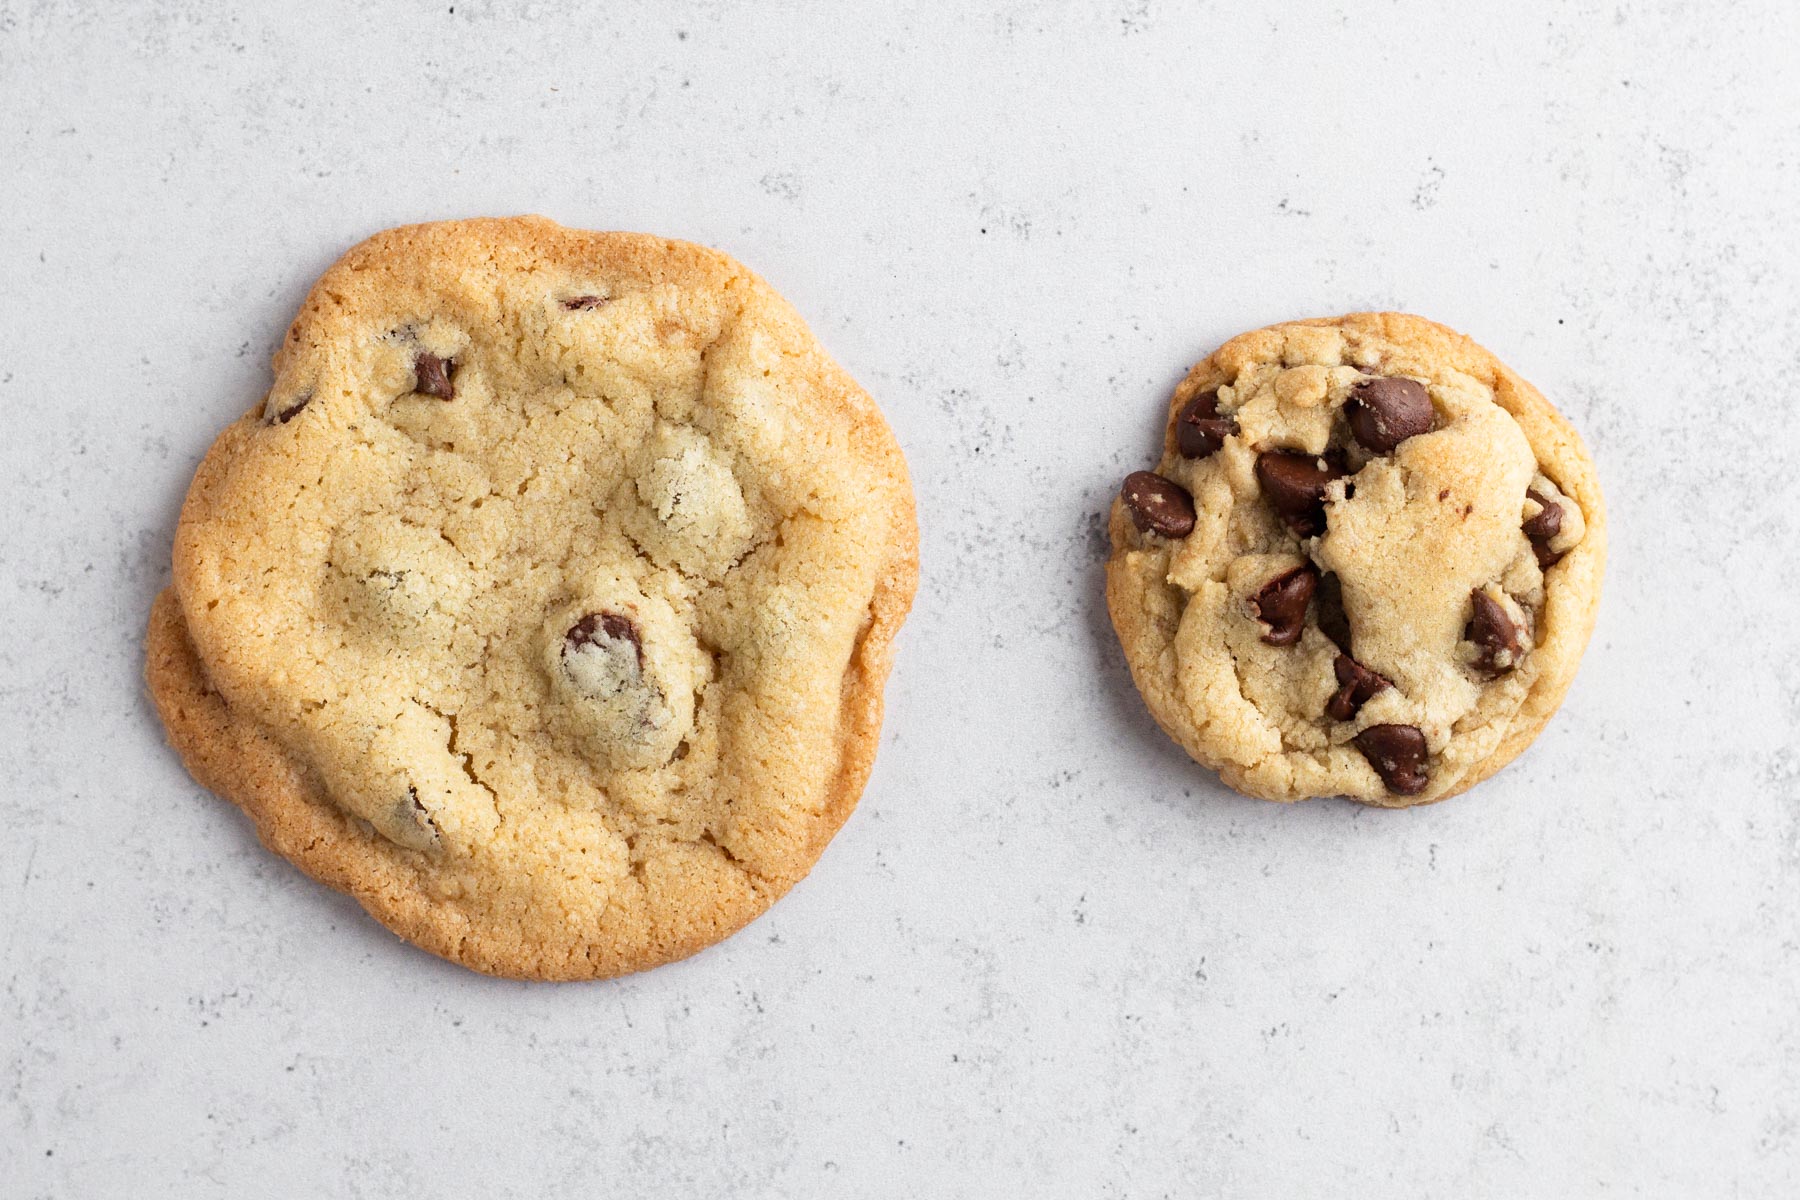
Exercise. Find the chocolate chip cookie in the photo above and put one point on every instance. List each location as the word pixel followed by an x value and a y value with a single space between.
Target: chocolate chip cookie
pixel 545 603
pixel 1366 565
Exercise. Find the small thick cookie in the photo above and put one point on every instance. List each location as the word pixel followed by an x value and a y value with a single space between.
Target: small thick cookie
pixel 545 603
pixel 1366 566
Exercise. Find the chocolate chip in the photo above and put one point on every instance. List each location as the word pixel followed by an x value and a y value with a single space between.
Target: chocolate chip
pixel 1295 487
pixel 1281 604
pixel 1494 634
pixel 1199 429
pixel 1384 412
pixel 1356 685
pixel 1548 521
pixel 432 375
pixel 293 410
pixel 583 303
pixel 412 824
pixel 1328 603
pixel 1397 752
pixel 1158 505
pixel 599 627
pixel 1542 527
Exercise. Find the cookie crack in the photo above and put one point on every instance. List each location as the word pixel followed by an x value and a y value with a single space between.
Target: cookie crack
pixel 463 757
pixel 700 583
pixel 711 839
pixel 423 815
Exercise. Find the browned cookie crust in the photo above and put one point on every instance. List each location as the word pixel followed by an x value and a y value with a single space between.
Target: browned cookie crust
pixel 545 603
pixel 1366 565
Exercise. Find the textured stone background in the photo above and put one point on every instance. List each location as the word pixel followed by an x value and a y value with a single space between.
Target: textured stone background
pixel 1048 956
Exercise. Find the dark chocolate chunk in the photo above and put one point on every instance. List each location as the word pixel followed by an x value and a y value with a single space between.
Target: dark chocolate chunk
pixel 1356 685
pixel 1548 521
pixel 1385 411
pixel 1397 752
pixel 1542 527
pixel 1158 505
pixel 1495 635
pixel 1281 604
pixel 1199 429
pixel 1334 623
pixel 432 375
pixel 1294 485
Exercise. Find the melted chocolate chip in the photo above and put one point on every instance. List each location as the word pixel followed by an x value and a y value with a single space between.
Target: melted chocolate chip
pixel 1199 429
pixel 1295 487
pixel 1356 685
pixel 1281 604
pixel 432 375
pixel 595 628
pixel 1385 411
pixel 1542 527
pixel 1158 505
pixel 1334 623
pixel 1494 634
pixel 1397 752
pixel 1548 521
pixel 583 303
pixel 287 414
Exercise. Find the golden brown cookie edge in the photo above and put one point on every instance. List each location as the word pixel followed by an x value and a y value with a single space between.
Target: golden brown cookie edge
pixel 244 764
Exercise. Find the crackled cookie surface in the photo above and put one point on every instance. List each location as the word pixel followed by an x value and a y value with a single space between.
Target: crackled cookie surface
pixel 546 601
pixel 1366 565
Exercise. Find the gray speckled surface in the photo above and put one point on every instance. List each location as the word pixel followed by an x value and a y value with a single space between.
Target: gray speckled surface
pixel 1048 956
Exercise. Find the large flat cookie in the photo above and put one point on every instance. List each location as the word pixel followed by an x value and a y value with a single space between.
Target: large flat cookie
pixel 545 603
pixel 1366 565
